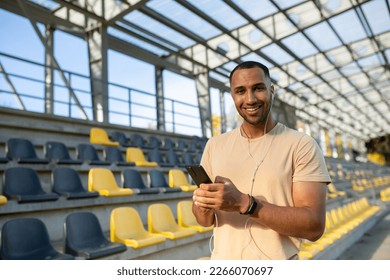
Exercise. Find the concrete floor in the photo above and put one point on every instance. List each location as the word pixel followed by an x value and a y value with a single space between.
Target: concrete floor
pixel 374 245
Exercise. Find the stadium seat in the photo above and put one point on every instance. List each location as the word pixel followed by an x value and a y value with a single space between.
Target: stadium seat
pixel 67 182
pixel 87 153
pixel 28 239
pixel 132 179
pixel 137 140
pixel 3 160
pixel 333 190
pixel 155 142
pixel 23 185
pixel 182 145
pixel 157 180
pixel 134 154
pixel 177 178
pixel 187 219
pixel 3 200
pixel 114 155
pixel 84 237
pixel 174 159
pixel 156 156
pixel 103 181
pixel 120 137
pixel 126 227
pixel 169 144
pixel 23 151
pixel 162 221
pixel 188 159
pixel 100 136
pixel 59 153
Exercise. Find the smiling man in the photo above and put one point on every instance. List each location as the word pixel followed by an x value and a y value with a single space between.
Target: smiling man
pixel 269 180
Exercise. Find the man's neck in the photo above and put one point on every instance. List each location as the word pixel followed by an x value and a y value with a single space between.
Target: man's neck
pixel 255 131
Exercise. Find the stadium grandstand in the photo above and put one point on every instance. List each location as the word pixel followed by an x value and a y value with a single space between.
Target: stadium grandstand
pixel 103 103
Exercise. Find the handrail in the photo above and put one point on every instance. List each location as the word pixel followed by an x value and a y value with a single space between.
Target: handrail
pixel 176 118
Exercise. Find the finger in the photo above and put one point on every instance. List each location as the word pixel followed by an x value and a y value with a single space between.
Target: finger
pixel 222 180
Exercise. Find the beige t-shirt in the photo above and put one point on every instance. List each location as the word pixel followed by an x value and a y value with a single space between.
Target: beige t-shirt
pixel 284 156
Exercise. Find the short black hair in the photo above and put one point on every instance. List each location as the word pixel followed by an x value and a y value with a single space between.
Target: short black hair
pixel 248 65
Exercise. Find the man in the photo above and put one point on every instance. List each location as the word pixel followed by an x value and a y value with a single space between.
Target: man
pixel 269 181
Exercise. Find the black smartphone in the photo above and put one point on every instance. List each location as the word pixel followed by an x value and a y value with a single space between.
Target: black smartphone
pixel 198 174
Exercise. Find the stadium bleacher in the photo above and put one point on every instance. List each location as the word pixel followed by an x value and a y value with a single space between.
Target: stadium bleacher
pixel 352 201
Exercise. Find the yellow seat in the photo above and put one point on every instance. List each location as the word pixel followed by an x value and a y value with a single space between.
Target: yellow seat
pixel 177 178
pixel 3 200
pixel 99 136
pixel 187 219
pixel 136 155
pixel 103 181
pixel 161 221
pixel 126 227
pixel 333 190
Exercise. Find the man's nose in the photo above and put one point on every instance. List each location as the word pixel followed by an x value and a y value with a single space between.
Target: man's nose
pixel 250 97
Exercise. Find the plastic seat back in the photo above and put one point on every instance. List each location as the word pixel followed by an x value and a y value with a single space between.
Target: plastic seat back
pixel 156 156
pixel 88 153
pixel 157 180
pixel 120 137
pixel 103 181
pixel 27 239
pixel 136 155
pixel 174 159
pixel 101 178
pixel 22 150
pixel 100 136
pixel 67 182
pixel 177 178
pixel 125 223
pixel 132 179
pixel 57 151
pixel 160 218
pixel 185 217
pixel 84 237
pixel 23 184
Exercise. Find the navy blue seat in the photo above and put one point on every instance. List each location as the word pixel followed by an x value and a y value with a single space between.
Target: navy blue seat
pixel 67 182
pixel 59 153
pixel 158 180
pixel 84 237
pixel 28 239
pixel 155 143
pixel 174 159
pixel 137 140
pixel 23 185
pixel 157 156
pixel 132 179
pixel 87 153
pixel 23 151
pixel 188 159
pixel 169 144
pixel 114 155
pixel 120 137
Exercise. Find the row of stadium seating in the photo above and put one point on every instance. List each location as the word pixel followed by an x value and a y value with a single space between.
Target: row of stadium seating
pixel 23 184
pixel 340 222
pixel 21 150
pixel 28 238
pixel 118 138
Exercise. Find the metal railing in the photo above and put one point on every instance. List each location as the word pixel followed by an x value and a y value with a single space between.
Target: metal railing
pixel 126 106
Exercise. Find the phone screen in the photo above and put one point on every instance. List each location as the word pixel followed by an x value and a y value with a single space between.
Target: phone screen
pixel 198 174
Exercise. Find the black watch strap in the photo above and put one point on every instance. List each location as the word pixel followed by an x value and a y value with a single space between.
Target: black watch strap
pixel 252 206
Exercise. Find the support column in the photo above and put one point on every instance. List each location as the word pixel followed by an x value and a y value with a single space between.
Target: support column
pixel 202 88
pixel 223 111
pixel 160 98
pixel 97 49
pixel 49 70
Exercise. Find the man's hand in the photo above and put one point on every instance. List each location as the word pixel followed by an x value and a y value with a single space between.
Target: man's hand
pixel 221 195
